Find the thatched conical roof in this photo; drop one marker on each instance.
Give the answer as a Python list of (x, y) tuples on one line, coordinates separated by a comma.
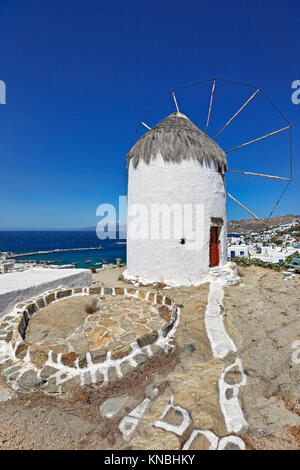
[(177, 139)]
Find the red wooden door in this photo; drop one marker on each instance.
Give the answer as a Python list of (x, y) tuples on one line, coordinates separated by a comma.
[(214, 247)]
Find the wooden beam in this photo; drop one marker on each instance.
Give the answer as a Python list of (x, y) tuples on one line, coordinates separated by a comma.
[(245, 208), (259, 174), (210, 104), (238, 112), (259, 138)]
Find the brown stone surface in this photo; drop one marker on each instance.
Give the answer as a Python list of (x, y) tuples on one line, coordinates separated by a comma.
[(69, 359), (63, 293), (122, 351), (22, 350), (50, 298), (38, 355)]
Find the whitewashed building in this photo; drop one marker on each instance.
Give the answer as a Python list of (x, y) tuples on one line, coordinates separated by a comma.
[(174, 166)]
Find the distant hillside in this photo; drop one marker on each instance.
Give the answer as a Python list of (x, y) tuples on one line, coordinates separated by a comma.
[(247, 225), (233, 226)]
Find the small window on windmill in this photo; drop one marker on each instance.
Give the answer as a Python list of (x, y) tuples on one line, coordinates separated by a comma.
[(182, 241)]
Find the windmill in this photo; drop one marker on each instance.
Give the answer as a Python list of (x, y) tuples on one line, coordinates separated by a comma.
[(177, 162)]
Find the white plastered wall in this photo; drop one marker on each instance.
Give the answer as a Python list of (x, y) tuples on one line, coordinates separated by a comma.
[(160, 182)]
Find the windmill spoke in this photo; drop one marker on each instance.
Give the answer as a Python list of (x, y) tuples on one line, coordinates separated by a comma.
[(259, 138), (210, 104), (146, 125), (175, 101), (259, 174), (238, 112), (245, 208)]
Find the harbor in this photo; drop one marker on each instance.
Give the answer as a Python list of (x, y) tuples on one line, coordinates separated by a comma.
[(47, 252)]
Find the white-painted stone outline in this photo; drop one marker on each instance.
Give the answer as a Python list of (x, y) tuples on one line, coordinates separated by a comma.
[(233, 414), (220, 341), (178, 429)]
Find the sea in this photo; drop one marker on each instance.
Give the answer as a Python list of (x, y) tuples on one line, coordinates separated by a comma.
[(33, 241)]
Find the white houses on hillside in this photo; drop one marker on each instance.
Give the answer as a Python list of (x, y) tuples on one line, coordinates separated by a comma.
[(175, 167)]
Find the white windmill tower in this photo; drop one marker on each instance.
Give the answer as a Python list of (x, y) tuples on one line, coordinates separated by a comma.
[(176, 225)]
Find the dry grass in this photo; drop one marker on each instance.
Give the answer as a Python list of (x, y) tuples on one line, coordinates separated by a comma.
[(93, 306)]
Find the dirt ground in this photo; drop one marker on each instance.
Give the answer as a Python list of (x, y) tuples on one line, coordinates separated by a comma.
[(262, 318)]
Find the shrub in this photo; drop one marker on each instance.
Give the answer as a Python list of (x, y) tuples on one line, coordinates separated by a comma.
[(242, 261), (93, 306)]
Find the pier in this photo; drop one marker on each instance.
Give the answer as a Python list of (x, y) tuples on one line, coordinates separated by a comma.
[(57, 250)]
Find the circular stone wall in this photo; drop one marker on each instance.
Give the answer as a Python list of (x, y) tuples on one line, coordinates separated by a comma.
[(53, 344)]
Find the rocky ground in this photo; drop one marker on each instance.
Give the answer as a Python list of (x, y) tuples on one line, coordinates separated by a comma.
[(261, 317)]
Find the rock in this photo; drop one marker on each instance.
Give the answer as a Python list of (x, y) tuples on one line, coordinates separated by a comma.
[(47, 371), (147, 339), (95, 290), (167, 328), (21, 350), (140, 359), (40, 302), (99, 355), (50, 386), (112, 406), (87, 378), (107, 291), (8, 337), (50, 298), (119, 290), (82, 362), (165, 313), (38, 355), (69, 359), (156, 349), (101, 343), (22, 326), (80, 343), (189, 347), (6, 394), (29, 380), (126, 368), (233, 376), (10, 371), (64, 293), (120, 352), (71, 383), (99, 377), (6, 364), (112, 374), (97, 334), (31, 309)]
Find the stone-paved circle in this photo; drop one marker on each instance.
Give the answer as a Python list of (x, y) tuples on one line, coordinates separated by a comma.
[(27, 367)]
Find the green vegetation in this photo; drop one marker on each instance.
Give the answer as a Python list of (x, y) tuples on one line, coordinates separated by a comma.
[(242, 261), (276, 241), (289, 258)]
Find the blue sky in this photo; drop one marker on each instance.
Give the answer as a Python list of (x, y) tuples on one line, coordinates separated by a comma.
[(81, 74)]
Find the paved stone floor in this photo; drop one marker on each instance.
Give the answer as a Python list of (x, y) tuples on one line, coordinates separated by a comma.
[(65, 326)]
